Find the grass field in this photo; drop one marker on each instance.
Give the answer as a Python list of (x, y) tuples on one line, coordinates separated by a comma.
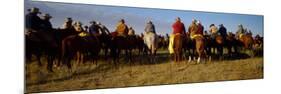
[(106, 75)]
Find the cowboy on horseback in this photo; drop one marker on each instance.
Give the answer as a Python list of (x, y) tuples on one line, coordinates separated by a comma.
[(150, 39), (35, 26), (94, 28), (121, 28), (178, 28), (131, 31), (46, 24), (241, 31), (195, 29), (213, 30), (149, 28), (104, 30), (222, 31), (32, 20), (78, 26), (67, 23)]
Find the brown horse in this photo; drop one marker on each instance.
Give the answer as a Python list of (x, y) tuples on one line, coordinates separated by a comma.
[(60, 34), (258, 46), (247, 41), (219, 44), (200, 46), (178, 45)]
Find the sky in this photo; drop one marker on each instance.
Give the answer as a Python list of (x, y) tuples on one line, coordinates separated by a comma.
[(138, 17)]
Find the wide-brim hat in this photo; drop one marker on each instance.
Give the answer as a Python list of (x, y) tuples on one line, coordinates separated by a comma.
[(68, 19), (99, 23), (78, 23), (92, 21), (122, 20), (35, 10), (212, 25), (47, 15)]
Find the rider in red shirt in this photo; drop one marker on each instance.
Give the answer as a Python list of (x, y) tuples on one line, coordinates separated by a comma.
[(178, 27)]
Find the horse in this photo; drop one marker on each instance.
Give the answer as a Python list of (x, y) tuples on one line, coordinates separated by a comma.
[(140, 45), (247, 42), (188, 47), (78, 46), (200, 46), (232, 42), (39, 43), (258, 46), (178, 45), (60, 34), (208, 44), (119, 44), (215, 42), (105, 40), (151, 42)]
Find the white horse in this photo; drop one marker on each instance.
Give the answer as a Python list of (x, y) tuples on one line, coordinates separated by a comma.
[(151, 41)]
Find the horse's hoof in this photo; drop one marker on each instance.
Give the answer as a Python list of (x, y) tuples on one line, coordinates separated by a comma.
[(198, 60)]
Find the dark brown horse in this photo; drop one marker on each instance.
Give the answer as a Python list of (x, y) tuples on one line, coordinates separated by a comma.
[(189, 47), (232, 43), (215, 42), (105, 40), (119, 44), (40, 43), (80, 47)]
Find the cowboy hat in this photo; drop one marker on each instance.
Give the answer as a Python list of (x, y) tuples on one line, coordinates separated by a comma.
[(78, 23), (68, 19), (35, 10), (194, 20), (178, 18), (47, 15), (212, 25), (93, 21), (99, 23), (122, 20)]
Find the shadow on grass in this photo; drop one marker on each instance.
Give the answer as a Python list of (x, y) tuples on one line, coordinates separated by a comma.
[(138, 60)]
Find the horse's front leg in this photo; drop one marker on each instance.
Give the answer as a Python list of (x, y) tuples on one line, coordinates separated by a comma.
[(50, 60)]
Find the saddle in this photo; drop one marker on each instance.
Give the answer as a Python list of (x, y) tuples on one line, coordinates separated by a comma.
[(83, 34)]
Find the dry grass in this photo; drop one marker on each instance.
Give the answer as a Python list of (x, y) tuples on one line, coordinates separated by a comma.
[(105, 75)]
